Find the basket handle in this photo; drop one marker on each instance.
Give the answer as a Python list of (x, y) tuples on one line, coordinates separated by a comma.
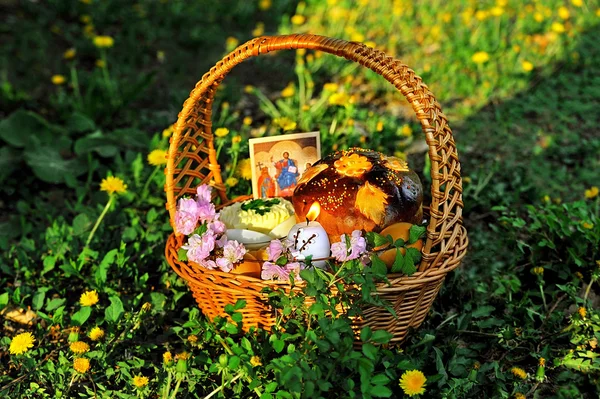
[(192, 154)]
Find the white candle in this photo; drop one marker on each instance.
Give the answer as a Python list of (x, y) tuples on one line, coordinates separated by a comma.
[(310, 239)]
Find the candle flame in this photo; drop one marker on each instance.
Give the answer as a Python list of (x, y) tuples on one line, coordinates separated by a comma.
[(314, 211)]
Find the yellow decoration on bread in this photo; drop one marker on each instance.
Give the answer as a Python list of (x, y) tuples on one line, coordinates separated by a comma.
[(371, 202)]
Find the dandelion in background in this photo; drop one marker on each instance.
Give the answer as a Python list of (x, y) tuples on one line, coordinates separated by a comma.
[(21, 343), (167, 358), (519, 372), (140, 381), (58, 80), (255, 361), (69, 54), (111, 185), (413, 382), (289, 91), (298, 20), (480, 57), (96, 334), (244, 169), (592, 192), (89, 298), (81, 365), (79, 347), (527, 66), (103, 41)]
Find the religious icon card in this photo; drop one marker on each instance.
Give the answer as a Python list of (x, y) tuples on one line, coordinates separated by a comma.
[(279, 161)]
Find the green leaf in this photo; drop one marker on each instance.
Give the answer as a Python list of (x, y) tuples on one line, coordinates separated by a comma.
[(370, 351), (366, 334), (9, 161), (281, 261), (409, 267), (377, 240), (380, 379), (381, 336), (49, 166), (398, 265), (114, 312), (3, 300), (23, 128), (239, 304), (97, 142), (182, 255), (415, 233), (81, 316), (81, 224), (54, 304), (101, 273), (38, 299), (378, 266), (380, 391), (79, 122), (483, 311), (278, 345)]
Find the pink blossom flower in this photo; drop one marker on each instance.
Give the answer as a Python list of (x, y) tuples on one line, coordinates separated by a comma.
[(217, 227), (358, 245), (233, 252), (203, 194), (271, 271), (199, 248), (208, 264), (294, 267), (274, 250), (206, 212), (186, 216), (222, 241)]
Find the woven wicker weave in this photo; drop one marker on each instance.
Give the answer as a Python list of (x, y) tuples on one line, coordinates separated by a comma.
[(192, 161)]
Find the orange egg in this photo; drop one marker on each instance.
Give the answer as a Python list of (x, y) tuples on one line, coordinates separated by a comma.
[(260, 254), (250, 267), (398, 230)]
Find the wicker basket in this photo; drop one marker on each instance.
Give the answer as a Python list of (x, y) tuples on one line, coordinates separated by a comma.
[(192, 161)]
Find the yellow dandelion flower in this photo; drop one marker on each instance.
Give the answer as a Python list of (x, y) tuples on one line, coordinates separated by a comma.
[(577, 3), (557, 27), (259, 30), (58, 79), (446, 17), (236, 139), (582, 312), (168, 131), (96, 334), (519, 372), (69, 54), (103, 41), (289, 91), (519, 395), (21, 343), (497, 11), (467, 179), (592, 192), (192, 339), (579, 275), (113, 185), (480, 57), (231, 43), (244, 169), (85, 19), (81, 365), (476, 365), (88, 30), (413, 382), (406, 131), (160, 56), (542, 362), (231, 182), (516, 48), (538, 271), (140, 381), (182, 356), (331, 87), (89, 298), (563, 12), (298, 19), (157, 157), (527, 66), (264, 4), (379, 126), (587, 225), (285, 123), (249, 89), (340, 99), (598, 12), (167, 357), (481, 15), (538, 16), (221, 132), (79, 347), (247, 121), (86, 1), (100, 63), (255, 361)]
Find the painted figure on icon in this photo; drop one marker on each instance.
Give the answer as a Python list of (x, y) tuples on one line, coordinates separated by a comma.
[(266, 183), (287, 174)]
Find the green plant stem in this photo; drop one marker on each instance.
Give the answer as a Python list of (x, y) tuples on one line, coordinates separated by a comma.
[(333, 280), (104, 211), (75, 84), (167, 386), (587, 290), (220, 146), (234, 164), (217, 390), (145, 189), (274, 112), (176, 389), (543, 297)]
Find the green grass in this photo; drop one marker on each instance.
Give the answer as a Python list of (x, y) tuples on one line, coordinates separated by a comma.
[(528, 141)]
